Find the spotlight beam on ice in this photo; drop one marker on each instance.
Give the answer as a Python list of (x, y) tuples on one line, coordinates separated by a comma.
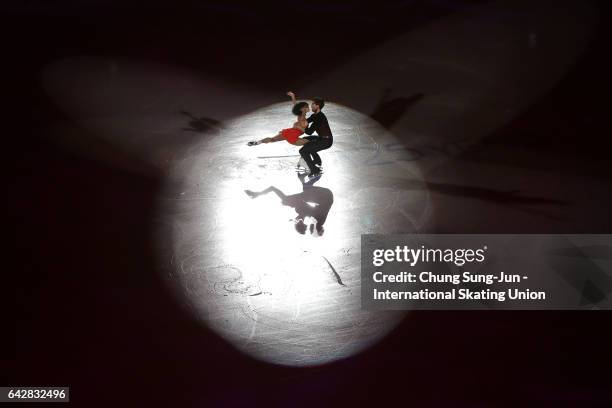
[(236, 262)]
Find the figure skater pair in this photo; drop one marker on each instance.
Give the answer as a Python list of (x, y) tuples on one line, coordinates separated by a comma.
[(311, 144)]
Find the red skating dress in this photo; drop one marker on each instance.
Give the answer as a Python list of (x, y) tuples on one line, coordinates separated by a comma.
[(291, 135)]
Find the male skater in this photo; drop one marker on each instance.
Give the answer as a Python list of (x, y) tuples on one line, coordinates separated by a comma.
[(323, 140)]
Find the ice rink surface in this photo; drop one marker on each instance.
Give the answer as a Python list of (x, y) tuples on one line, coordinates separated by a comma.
[(403, 114), (279, 294)]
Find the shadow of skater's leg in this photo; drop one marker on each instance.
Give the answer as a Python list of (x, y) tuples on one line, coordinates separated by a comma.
[(274, 190), (270, 189)]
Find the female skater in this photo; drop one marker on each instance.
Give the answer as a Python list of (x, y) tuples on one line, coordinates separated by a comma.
[(291, 135)]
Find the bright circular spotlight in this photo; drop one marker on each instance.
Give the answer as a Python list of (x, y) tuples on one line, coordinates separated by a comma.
[(280, 283)]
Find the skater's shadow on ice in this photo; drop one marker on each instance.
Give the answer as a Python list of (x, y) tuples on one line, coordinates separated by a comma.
[(312, 205), (507, 198), (390, 110), (200, 125)]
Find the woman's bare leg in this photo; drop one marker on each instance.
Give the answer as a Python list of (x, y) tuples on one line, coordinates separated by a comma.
[(276, 138)]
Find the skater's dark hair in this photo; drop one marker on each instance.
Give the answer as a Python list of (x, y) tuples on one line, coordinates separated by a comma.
[(319, 101), (297, 108)]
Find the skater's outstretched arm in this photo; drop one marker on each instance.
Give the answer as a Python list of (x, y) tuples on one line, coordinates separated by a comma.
[(292, 96)]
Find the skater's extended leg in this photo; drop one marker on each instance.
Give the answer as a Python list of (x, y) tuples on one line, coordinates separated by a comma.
[(276, 138)]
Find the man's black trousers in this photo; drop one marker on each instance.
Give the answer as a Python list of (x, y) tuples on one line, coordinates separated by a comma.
[(310, 149)]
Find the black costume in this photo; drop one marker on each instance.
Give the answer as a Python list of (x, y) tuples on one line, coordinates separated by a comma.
[(323, 140)]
